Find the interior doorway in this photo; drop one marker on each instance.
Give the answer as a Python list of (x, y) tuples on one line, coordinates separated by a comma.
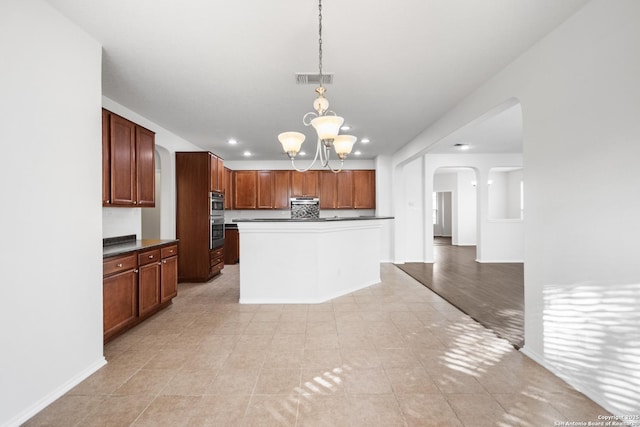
[(442, 215)]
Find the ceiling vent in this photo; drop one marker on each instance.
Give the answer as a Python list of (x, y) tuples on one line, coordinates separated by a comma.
[(313, 79)]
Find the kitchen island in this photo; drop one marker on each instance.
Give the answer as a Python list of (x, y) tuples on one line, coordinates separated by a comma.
[(303, 261)]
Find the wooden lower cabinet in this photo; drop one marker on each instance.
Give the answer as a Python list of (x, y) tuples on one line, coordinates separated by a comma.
[(169, 274), (148, 288), (137, 285), (120, 302), (216, 260), (231, 246)]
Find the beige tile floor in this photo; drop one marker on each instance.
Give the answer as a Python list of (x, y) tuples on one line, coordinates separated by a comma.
[(393, 354)]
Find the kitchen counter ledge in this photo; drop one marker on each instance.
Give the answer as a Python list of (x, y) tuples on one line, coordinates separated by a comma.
[(133, 245), (326, 219)]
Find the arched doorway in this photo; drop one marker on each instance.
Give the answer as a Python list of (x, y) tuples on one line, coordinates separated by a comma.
[(151, 216)]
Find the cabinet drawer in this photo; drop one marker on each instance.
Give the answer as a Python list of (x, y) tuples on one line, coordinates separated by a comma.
[(118, 264), (149, 257), (168, 251), (216, 253), (218, 260), (215, 269)]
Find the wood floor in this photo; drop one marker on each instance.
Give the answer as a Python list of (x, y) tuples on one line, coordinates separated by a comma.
[(492, 294)]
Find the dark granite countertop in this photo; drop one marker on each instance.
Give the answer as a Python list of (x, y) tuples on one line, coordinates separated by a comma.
[(327, 219), (125, 245)]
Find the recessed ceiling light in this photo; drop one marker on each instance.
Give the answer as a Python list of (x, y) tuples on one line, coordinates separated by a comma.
[(357, 153), (246, 153), (462, 146), (345, 127), (302, 153), (232, 141), (365, 140)]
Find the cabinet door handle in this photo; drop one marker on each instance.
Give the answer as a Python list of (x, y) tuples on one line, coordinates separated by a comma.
[(119, 265), (135, 203), (164, 261), (150, 256), (135, 271)]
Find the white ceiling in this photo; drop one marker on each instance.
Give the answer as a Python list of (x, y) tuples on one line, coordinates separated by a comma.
[(210, 70), (499, 132)]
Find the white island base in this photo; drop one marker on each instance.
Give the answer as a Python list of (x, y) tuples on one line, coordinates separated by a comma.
[(306, 262)]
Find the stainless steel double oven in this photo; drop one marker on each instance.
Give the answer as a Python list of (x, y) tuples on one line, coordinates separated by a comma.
[(216, 229)]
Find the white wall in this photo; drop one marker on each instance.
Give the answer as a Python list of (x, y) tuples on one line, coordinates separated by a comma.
[(580, 98), (465, 210), (50, 181), (504, 193), (383, 205), (498, 203), (415, 214), (515, 180)]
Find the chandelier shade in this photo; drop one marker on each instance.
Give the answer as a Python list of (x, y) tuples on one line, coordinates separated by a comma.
[(291, 142), (327, 127), (343, 145)]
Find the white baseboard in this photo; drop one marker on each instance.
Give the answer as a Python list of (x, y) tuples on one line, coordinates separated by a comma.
[(405, 261), (55, 394), (316, 300), (500, 261)]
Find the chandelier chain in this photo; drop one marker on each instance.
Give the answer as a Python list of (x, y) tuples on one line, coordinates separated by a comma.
[(320, 40)]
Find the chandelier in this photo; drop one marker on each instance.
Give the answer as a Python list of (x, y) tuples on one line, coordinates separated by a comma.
[(326, 123)]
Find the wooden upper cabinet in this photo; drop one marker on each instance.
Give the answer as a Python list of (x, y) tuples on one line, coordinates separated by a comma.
[(245, 189), (328, 184), (364, 189), (220, 169), (123, 161), (344, 190), (304, 184), (128, 163), (216, 169), (228, 188), (106, 160), (281, 189), (265, 190), (213, 172), (272, 189), (145, 167)]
